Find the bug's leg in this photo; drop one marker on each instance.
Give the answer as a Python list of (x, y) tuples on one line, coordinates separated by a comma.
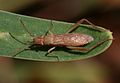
[(49, 30), (25, 28), (83, 49), (75, 26), (49, 51), (52, 48), (57, 57), (18, 40)]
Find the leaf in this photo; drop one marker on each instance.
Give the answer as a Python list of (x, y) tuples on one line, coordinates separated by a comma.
[(10, 22)]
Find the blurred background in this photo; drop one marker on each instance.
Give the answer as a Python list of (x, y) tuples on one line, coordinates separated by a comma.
[(104, 68)]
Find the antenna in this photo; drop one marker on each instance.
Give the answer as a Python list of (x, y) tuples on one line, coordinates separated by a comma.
[(26, 28), (18, 40)]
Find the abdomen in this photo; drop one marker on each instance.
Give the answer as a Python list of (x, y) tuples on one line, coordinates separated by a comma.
[(72, 39)]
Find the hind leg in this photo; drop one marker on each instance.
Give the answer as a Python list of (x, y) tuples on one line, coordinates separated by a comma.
[(83, 49), (75, 26)]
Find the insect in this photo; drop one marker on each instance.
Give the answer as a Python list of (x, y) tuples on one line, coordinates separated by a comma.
[(73, 41)]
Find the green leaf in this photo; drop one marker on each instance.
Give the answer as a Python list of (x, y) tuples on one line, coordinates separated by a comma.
[(10, 22)]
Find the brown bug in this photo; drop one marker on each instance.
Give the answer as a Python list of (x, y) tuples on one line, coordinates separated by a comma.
[(73, 41)]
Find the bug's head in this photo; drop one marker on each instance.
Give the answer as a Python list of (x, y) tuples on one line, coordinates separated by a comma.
[(38, 40)]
